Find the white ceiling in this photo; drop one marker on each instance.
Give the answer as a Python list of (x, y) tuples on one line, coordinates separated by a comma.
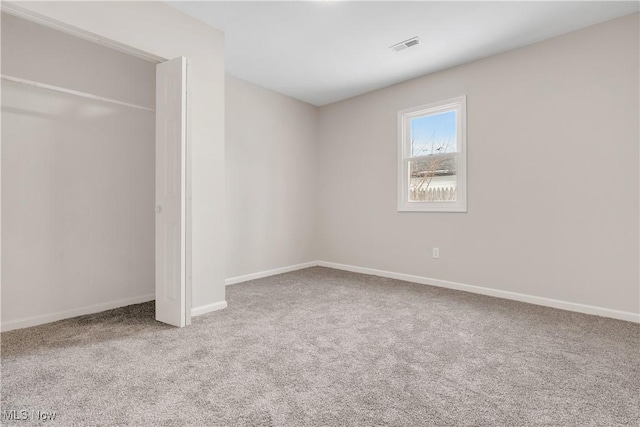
[(325, 51)]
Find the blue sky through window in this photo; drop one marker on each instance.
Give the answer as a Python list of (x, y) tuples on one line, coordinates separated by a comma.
[(432, 134)]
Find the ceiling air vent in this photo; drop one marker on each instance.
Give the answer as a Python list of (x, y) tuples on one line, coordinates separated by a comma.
[(405, 44)]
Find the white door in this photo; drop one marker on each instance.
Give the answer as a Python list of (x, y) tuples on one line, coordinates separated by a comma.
[(171, 173)]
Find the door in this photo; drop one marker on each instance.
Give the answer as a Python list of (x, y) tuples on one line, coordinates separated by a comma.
[(171, 174)]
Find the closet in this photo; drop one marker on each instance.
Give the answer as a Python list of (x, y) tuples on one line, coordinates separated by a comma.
[(78, 175)]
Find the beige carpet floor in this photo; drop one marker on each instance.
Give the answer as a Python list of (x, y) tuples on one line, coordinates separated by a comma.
[(321, 347)]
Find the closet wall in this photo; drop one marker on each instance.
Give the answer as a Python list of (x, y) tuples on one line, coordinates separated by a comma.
[(77, 177)]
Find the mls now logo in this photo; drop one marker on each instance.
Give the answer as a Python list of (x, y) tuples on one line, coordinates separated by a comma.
[(24, 415)]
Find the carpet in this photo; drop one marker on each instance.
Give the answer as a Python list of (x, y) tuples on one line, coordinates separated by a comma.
[(321, 347)]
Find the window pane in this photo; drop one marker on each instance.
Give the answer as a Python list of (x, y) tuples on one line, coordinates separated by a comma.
[(433, 134), (433, 179)]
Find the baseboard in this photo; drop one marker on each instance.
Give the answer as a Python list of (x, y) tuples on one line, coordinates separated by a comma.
[(267, 273), (204, 309), (61, 315), (197, 311), (547, 302)]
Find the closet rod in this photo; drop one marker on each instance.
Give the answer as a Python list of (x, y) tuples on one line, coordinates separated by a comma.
[(73, 92)]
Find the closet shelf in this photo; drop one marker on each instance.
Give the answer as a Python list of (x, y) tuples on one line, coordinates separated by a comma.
[(72, 92)]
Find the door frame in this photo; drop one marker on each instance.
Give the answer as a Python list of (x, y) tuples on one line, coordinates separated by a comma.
[(13, 9)]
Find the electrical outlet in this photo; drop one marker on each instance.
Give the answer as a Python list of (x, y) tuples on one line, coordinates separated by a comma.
[(436, 252)]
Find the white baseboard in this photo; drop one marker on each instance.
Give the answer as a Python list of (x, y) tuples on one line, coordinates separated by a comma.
[(61, 315), (204, 309), (267, 273), (547, 302), (197, 311)]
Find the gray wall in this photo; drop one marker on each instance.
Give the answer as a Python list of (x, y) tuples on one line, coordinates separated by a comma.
[(271, 166), (552, 174), (545, 217), (77, 175)]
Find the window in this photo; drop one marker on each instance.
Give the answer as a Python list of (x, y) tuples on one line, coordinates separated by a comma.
[(432, 157)]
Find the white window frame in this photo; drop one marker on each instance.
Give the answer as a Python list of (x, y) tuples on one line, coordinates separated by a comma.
[(458, 104)]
